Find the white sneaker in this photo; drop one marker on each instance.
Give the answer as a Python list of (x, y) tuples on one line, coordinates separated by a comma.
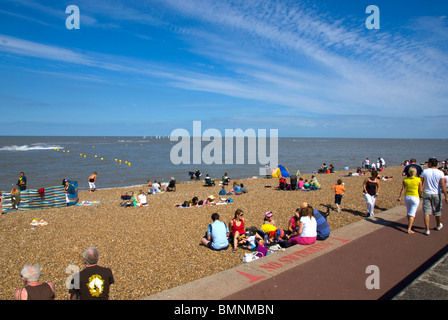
[(426, 232), (439, 227)]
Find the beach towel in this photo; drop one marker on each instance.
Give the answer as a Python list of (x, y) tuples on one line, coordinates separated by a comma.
[(88, 203)]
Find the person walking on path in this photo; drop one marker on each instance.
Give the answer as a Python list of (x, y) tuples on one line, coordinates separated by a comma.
[(433, 184), (371, 189), (413, 191)]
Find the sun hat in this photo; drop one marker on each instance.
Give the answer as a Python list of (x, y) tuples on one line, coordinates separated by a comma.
[(268, 214)]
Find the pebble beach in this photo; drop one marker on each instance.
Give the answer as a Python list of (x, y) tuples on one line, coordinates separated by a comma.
[(156, 247)]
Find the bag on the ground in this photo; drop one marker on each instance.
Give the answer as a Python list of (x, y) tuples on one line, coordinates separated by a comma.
[(248, 257)]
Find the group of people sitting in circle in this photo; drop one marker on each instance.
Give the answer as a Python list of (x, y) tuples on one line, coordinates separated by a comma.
[(305, 227)]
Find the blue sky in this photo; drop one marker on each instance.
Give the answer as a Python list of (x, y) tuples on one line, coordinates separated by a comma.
[(306, 68)]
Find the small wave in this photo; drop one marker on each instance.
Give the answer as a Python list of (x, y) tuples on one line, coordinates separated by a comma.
[(30, 147)]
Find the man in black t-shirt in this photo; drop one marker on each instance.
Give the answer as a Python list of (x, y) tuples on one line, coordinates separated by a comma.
[(94, 281)]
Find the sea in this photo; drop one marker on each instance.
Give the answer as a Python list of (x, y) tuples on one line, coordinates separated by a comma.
[(132, 161)]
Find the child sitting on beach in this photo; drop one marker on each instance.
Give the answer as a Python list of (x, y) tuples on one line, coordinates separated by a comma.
[(339, 190), (250, 243), (223, 191), (306, 185), (300, 183)]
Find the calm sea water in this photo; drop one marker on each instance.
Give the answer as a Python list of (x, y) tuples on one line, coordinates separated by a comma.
[(46, 161)]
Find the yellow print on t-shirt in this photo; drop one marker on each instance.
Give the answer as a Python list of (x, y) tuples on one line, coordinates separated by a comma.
[(95, 285)]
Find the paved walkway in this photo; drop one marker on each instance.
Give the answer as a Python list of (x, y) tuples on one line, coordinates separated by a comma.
[(371, 259)]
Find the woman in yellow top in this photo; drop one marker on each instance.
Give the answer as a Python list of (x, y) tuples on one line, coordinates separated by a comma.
[(413, 187)]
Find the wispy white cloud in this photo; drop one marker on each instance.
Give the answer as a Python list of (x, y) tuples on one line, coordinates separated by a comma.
[(285, 54)]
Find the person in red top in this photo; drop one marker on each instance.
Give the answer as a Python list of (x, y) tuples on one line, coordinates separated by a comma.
[(34, 290), (237, 230), (339, 190)]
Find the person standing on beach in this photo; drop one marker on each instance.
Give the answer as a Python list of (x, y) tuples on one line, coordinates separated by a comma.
[(92, 180), (433, 183), (15, 198), (371, 189), (21, 183), (339, 190), (413, 191)]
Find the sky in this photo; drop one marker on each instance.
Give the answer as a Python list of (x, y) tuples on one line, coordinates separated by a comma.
[(145, 68)]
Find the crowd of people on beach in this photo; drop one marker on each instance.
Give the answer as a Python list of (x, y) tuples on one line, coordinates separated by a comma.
[(425, 184), (306, 225)]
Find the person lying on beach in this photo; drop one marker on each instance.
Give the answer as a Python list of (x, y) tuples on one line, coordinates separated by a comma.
[(209, 201), (188, 204)]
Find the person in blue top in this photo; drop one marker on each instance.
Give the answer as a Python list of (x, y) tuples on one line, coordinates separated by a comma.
[(217, 235), (323, 229), (236, 188)]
